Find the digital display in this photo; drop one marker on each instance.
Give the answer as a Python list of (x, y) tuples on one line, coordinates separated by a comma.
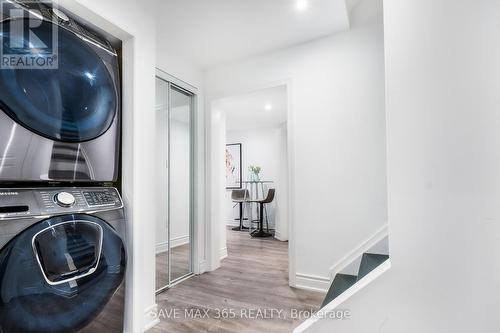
[(13, 209)]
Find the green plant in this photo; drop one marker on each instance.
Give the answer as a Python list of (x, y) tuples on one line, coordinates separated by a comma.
[(254, 169)]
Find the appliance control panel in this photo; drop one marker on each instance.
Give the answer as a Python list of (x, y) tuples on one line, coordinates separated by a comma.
[(16, 203), (100, 198)]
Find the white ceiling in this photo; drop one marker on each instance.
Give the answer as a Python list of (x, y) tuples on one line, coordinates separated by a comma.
[(248, 111), (212, 32)]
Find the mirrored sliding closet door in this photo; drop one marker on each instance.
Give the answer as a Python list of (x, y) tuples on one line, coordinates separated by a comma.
[(174, 128)]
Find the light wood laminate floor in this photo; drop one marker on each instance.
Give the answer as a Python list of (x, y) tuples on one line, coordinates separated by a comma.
[(253, 277)]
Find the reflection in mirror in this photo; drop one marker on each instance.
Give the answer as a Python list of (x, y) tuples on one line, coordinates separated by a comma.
[(162, 276), (173, 227), (180, 183)]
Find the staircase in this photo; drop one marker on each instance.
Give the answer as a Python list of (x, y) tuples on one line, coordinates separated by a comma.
[(357, 264), (342, 282), (356, 270)]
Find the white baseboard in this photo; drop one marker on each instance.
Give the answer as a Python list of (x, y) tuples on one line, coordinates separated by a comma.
[(312, 282), (203, 267), (161, 247), (150, 319), (278, 236), (223, 253), (177, 241), (349, 264)]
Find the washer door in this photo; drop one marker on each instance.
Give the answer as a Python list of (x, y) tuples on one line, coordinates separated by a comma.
[(59, 274), (76, 102)]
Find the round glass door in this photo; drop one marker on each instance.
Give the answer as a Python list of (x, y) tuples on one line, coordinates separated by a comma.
[(75, 102), (59, 274)]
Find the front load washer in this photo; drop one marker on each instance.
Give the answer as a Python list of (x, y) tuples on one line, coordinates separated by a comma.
[(57, 124), (62, 260)]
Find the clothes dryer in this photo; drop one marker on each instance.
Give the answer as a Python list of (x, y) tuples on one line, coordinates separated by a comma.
[(59, 123)]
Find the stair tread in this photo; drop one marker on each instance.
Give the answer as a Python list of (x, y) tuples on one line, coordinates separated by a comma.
[(340, 283), (369, 262)]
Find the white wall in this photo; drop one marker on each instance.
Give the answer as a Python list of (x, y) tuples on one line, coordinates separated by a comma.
[(337, 131), (283, 197), (266, 148), (443, 75), (167, 60), (217, 185)]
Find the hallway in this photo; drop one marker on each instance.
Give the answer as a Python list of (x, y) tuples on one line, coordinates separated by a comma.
[(253, 277)]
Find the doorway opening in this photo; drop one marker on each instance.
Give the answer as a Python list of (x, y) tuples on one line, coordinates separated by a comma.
[(174, 227), (249, 243), (249, 143), (256, 163)]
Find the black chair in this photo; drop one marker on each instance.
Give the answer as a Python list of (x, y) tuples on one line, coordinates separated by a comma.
[(240, 197), (268, 199)]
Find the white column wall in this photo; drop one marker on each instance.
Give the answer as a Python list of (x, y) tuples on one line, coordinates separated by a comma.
[(443, 75)]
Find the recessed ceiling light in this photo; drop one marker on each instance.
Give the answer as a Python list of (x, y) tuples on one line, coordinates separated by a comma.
[(268, 107), (301, 5)]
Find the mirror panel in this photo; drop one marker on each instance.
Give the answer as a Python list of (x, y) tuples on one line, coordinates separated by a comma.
[(162, 271), (180, 183), (174, 145)]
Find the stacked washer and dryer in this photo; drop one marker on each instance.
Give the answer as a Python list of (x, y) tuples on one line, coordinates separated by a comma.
[(62, 232)]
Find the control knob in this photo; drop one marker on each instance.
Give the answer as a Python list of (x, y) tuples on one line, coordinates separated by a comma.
[(65, 199)]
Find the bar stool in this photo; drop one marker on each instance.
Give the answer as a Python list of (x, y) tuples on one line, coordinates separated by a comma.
[(239, 197), (268, 199)]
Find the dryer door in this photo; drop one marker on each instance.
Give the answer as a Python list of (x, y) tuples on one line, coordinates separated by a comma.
[(58, 275), (75, 102)]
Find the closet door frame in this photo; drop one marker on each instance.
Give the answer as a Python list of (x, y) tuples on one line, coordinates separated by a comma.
[(192, 92)]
